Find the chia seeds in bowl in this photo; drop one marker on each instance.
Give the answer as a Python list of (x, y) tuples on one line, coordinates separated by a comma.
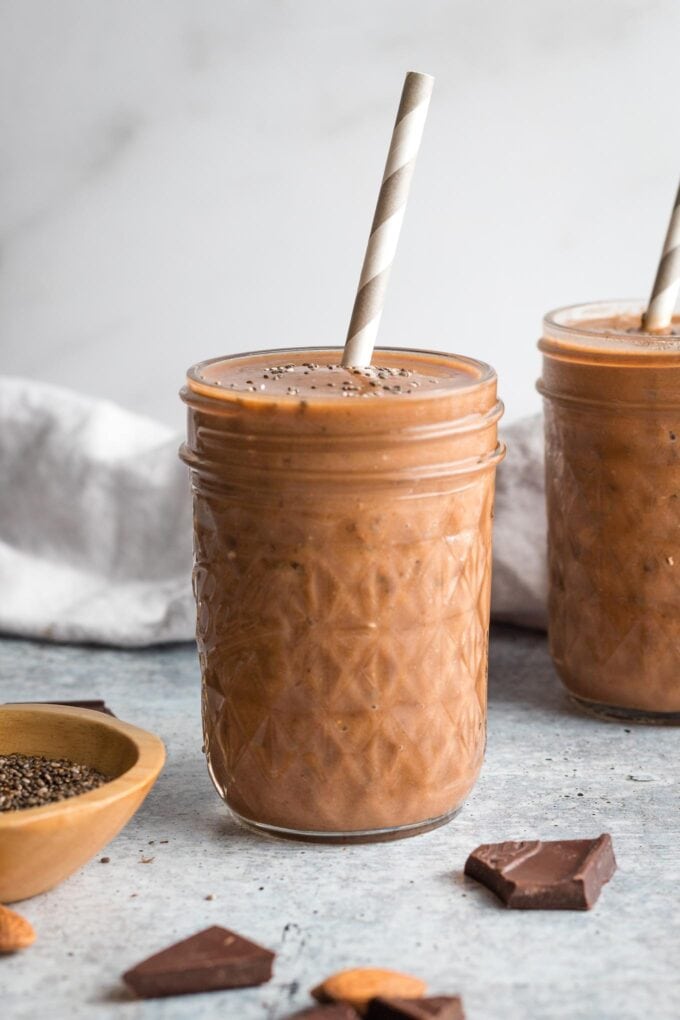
[(28, 780)]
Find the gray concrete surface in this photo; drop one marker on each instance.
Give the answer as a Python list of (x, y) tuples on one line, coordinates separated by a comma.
[(550, 771)]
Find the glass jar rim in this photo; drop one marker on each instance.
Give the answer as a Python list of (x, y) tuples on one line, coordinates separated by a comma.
[(480, 374), (570, 323)]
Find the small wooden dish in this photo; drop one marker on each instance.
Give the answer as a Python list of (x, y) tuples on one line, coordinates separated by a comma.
[(40, 846)]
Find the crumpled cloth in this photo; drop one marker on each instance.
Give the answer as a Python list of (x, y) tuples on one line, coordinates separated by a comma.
[(519, 591), (95, 523)]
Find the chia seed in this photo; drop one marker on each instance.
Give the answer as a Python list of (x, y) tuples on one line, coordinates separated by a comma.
[(382, 379), (28, 780)]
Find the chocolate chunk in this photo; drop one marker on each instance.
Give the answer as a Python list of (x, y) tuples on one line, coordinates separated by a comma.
[(210, 960), (338, 1011), (95, 704), (436, 1007), (562, 874)]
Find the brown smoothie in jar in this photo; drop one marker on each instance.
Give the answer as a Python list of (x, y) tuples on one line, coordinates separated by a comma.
[(342, 575), (612, 419)]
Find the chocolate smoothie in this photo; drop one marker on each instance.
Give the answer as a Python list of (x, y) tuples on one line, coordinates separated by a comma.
[(612, 425), (342, 573)]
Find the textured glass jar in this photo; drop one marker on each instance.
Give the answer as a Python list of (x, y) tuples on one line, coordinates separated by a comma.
[(612, 434), (342, 576)]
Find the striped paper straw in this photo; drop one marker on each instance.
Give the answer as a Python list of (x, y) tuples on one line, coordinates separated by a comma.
[(389, 214), (659, 314)]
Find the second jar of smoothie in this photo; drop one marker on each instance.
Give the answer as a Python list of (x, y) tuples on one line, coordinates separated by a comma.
[(342, 575), (612, 432)]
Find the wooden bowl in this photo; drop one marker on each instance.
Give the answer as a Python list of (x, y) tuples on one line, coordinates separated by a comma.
[(40, 846)]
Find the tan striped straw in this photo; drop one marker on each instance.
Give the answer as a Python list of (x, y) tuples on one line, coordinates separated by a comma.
[(659, 314), (389, 214)]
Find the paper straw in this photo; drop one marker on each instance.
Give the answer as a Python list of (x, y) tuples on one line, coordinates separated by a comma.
[(389, 214), (659, 314)]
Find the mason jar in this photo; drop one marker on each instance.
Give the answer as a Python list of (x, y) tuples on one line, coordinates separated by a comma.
[(612, 457), (342, 577)]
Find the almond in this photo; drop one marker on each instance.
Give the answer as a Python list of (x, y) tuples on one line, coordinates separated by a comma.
[(15, 931), (361, 984)]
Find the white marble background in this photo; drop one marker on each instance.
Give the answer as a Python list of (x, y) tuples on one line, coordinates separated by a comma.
[(185, 178)]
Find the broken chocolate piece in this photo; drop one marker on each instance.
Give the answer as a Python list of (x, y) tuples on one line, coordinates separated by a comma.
[(210, 960), (95, 704), (436, 1007), (337, 1011), (562, 874)]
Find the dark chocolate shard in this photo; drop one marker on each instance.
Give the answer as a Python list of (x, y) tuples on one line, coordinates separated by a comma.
[(435, 1007), (336, 1011), (213, 959), (561, 874), (95, 704)]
